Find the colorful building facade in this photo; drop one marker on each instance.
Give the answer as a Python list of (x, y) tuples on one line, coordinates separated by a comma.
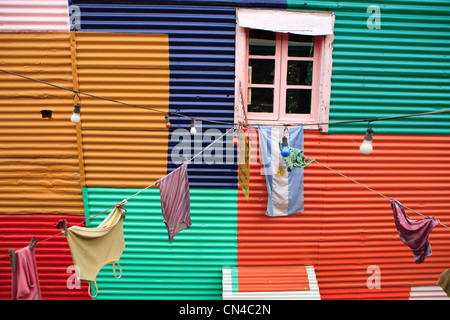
[(388, 59)]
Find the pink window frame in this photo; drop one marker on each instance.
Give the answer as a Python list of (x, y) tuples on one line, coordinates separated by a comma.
[(321, 86)]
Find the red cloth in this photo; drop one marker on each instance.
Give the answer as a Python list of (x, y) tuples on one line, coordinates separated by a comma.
[(414, 233), (25, 280)]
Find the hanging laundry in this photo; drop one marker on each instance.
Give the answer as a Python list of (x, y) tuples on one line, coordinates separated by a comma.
[(25, 280), (444, 281), (175, 200), (295, 159), (284, 187), (414, 233), (93, 248)]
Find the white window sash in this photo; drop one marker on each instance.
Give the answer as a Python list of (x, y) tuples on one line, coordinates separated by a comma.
[(304, 23)]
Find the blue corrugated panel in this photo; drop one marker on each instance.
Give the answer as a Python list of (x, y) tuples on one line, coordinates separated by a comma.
[(201, 52), (232, 3)]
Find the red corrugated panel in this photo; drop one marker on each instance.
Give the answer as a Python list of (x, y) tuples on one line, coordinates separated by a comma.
[(52, 256), (346, 228)]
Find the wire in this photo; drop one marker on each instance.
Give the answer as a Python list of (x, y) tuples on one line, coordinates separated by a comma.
[(370, 189), (226, 122), (137, 193)]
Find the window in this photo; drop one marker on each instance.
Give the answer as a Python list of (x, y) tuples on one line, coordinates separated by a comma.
[(282, 77)]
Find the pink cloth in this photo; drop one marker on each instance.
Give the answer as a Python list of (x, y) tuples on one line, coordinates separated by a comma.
[(25, 280), (175, 200), (414, 233)]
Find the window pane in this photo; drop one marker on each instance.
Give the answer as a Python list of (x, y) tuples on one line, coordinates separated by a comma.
[(261, 42), (300, 46), (260, 100), (261, 71), (300, 73), (298, 101)]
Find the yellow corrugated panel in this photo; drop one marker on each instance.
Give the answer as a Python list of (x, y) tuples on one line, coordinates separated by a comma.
[(38, 160), (123, 146)]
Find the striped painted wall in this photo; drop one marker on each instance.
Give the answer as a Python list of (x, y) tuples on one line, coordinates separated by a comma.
[(39, 159), (345, 228), (39, 176), (34, 16), (178, 56), (400, 68), (188, 268), (201, 60), (123, 146), (53, 259), (189, 69)]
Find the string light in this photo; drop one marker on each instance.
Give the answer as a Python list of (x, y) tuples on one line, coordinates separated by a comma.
[(235, 137), (193, 130), (369, 134), (75, 118), (168, 124), (366, 145)]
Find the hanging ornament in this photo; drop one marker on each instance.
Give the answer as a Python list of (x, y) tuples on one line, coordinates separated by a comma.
[(168, 124), (193, 130), (366, 145)]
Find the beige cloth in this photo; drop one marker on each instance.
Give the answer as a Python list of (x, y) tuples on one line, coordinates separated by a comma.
[(444, 281), (93, 248)]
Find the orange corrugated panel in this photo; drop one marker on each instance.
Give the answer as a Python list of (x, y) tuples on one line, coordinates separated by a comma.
[(123, 146), (347, 231), (264, 279), (38, 163)]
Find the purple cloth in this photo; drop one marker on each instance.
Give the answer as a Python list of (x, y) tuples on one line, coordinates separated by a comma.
[(25, 281), (414, 233), (175, 200)]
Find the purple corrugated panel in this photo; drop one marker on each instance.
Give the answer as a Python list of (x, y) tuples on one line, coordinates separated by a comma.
[(34, 16)]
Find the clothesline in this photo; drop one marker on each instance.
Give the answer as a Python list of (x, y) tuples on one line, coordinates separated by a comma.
[(123, 202), (370, 189)]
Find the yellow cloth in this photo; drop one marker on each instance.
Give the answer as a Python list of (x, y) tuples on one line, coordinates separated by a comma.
[(444, 281), (93, 248)]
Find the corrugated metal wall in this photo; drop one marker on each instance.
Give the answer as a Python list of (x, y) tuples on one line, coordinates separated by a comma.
[(201, 54), (34, 16), (346, 228), (400, 68), (53, 258), (126, 149), (190, 267), (40, 179), (123, 145), (39, 162)]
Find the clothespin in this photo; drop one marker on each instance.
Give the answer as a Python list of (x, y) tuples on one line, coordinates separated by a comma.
[(12, 257), (62, 224), (121, 208), (32, 243)]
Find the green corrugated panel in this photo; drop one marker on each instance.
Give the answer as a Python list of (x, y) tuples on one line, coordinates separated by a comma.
[(188, 268), (402, 68)]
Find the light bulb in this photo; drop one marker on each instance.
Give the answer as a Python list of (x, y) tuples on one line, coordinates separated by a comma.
[(235, 138), (366, 145), (285, 148), (75, 118), (193, 130), (168, 124)]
